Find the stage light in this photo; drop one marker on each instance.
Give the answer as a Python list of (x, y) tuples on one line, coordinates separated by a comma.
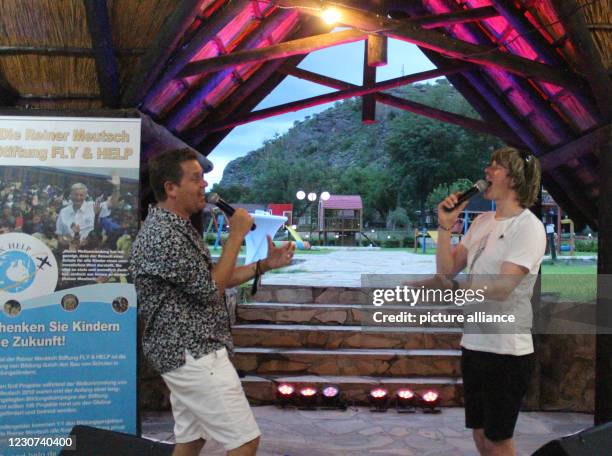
[(378, 399), (331, 15), (285, 395), (405, 401), (331, 398), (430, 402), (308, 397)]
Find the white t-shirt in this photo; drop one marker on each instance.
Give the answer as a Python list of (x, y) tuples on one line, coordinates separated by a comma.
[(490, 243), (84, 217)]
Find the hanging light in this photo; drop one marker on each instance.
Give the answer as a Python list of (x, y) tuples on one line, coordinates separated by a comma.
[(331, 15)]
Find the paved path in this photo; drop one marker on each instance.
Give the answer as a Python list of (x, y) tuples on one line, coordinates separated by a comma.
[(343, 268), (357, 431)]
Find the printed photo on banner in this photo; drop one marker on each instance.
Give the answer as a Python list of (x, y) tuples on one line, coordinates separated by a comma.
[(87, 217)]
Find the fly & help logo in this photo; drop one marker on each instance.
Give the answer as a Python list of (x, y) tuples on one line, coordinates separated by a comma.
[(27, 267)]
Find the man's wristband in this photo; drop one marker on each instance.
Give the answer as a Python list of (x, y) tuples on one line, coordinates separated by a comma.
[(442, 227)]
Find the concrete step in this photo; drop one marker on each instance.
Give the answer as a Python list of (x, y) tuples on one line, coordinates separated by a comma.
[(348, 362), (334, 337), (350, 314), (355, 390)]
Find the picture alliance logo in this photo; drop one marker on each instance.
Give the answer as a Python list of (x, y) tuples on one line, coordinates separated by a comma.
[(28, 268)]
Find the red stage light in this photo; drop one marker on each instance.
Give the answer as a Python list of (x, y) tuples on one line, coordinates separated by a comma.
[(378, 393), (430, 401), (308, 391), (430, 396), (405, 394), (330, 391), (285, 389)]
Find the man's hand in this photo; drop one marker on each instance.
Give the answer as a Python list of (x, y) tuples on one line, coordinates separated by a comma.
[(240, 223), (448, 219), (279, 256)]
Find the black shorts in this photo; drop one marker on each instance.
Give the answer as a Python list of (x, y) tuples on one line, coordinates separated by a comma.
[(494, 386)]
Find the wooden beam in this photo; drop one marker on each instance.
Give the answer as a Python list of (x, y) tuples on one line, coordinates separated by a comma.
[(430, 39), (407, 105), (376, 54), (354, 91), (368, 102), (107, 70), (205, 33), (576, 148), (474, 97), (251, 92), (151, 64), (458, 17), (276, 51), (59, 96), (534, 98), (545, 50), (64, 51), (576, 196), (588, 57), (198, 92)]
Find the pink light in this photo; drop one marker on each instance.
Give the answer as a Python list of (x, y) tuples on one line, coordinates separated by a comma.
[(308, 391), (378, 393), (405, 394), (285, 389), (430, 396), (330, 391)]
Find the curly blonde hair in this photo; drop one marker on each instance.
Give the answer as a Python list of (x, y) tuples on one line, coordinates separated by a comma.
[(525, 171)]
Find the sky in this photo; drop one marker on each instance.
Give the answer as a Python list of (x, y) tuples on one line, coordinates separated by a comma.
[(344, 62)]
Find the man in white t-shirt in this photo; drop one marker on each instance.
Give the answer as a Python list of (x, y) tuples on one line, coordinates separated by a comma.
[(77, 219), (503, 251)]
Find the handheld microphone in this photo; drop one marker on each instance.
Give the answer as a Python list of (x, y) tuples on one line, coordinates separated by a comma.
[(214, 198), (480, 186)]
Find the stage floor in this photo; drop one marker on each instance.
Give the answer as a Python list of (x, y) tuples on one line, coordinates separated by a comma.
[(357, 431)]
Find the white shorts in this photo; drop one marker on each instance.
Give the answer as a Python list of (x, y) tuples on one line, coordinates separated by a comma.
[(208, 402)]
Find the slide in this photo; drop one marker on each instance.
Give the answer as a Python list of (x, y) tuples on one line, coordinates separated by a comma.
[(299, 242)]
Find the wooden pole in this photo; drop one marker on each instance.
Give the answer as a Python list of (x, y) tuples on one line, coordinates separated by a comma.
[(588, 57), (603, 357), (368, 102), (107, 70)]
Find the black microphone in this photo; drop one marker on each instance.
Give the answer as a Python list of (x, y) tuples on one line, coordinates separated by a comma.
[(480, 186), (214, 198)]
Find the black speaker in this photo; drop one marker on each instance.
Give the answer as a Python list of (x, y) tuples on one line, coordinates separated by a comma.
[(595, 441), (89, 441)]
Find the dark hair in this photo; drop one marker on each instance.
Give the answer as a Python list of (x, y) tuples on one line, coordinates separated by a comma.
[(524, 170), (166, 167)]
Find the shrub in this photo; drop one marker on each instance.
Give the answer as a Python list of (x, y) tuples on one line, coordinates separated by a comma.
[(586, 246)]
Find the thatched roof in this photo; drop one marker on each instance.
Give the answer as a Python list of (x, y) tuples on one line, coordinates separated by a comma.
[(537, 72)]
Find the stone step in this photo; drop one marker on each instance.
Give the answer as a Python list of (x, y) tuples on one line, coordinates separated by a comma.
[(355, 390), (305, 294), (350, 314), (334, 337), (343, 362)]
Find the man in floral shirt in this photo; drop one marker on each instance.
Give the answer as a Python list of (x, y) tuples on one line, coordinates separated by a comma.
[(186, 324)]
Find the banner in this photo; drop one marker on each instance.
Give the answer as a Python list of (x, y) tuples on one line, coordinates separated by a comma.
[(68, 216)]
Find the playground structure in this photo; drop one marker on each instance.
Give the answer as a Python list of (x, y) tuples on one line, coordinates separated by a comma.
[(342, 216)]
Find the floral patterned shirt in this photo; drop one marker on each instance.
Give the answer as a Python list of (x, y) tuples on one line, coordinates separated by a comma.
[(178, 301)]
